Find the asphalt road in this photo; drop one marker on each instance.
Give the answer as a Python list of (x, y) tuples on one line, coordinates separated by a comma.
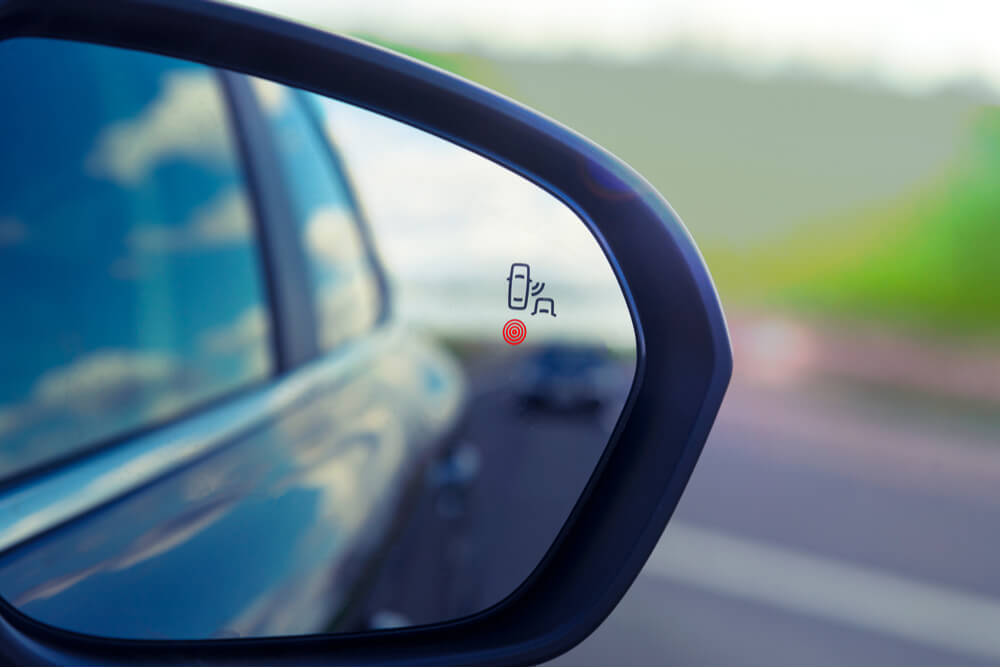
[(823, 526)]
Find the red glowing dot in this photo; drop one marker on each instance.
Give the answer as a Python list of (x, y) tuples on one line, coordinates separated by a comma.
[(514, 332)]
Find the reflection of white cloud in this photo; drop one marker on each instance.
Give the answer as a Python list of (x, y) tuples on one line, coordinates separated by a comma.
[(167, 404), (147, 546), (86, 379), (249, 329), (246, 336), (271, 96), (331, 236), (98, 393), (347, 299), (363, 464), (346, 308), (161, 539), (186, 120), (371, 454), (224, 220), (12, 231)]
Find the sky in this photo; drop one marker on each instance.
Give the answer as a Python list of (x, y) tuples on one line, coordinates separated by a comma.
[(449, 224), (913, 46)]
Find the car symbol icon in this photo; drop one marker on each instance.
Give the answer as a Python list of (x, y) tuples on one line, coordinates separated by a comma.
[(518, 282)]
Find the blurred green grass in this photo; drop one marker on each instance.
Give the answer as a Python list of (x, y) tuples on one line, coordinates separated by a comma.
[(833, 199), (928, 259)]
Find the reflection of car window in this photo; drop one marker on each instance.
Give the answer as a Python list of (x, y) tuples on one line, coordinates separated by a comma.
[(347, 295), (131, 284)]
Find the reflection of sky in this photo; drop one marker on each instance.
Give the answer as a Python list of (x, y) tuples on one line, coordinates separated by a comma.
[(346, 289), (450, 223), (125, 240)]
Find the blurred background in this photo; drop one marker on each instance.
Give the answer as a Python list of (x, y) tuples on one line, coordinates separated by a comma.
[(838, 167)]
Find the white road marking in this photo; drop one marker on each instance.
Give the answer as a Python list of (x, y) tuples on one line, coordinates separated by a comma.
[(803, 583)]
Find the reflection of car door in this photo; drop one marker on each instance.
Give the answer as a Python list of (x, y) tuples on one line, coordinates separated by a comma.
[(193, 429)]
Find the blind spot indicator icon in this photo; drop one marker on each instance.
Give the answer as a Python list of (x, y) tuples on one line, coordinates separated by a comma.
[(520, 290), (514, 332), (518, 283), (545, 305)]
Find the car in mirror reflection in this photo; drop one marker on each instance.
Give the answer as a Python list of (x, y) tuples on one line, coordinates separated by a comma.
[(568, 377)]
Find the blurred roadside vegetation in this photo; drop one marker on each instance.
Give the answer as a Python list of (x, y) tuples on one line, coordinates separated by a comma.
[(929, 258), (831, 199)]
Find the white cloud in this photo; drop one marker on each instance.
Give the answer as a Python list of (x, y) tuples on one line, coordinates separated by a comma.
[(331, 236), (249, 329), (272, 96), (224, 220), (346, 308), (148, 545), (94, 383), (88, 380), (12, 231), (246, 336), (186, 120), (348, 299), (98, 393)]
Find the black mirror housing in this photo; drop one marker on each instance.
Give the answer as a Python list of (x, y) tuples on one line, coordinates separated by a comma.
[(684, 361)]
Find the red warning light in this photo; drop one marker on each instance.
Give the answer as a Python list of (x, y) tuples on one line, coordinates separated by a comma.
[(514, 332)]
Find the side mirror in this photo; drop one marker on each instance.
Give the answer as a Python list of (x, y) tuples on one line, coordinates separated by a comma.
[(326, 355)]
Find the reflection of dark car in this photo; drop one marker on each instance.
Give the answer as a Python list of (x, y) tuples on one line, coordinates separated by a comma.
[(204, 388), (565, 377)]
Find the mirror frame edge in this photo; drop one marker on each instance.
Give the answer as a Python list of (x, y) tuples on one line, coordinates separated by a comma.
[(679, 385)]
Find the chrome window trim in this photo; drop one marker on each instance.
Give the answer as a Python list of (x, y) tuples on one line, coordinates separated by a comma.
[(44, 502)]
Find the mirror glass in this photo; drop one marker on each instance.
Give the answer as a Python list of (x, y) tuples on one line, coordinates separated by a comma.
[(273, 364)]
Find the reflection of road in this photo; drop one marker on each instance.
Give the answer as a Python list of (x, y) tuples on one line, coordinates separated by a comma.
[(468, 546), (822, 528)]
